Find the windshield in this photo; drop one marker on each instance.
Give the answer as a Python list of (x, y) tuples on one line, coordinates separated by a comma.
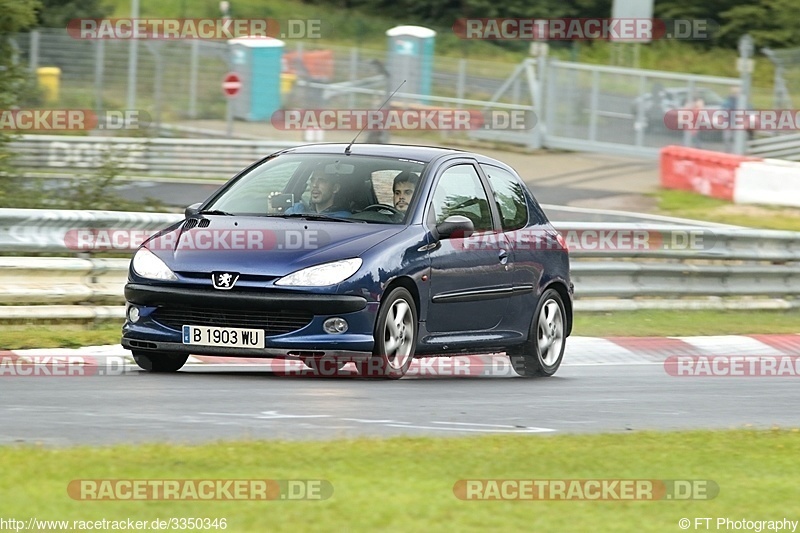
[(357, 188)]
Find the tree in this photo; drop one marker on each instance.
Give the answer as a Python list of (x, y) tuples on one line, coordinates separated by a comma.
[(58, 13), (771, 23), (15, 16)]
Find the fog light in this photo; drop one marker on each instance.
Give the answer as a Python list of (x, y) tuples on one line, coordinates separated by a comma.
[(335, 325), (133, 314)]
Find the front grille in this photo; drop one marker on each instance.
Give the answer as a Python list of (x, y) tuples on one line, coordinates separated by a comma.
[(272, 322)]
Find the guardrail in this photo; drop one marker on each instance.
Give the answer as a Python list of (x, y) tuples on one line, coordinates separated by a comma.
[(777, 146), (614, 265), (197, 158)]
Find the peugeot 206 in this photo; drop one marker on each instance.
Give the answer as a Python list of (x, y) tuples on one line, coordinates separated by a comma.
[(370, 254)]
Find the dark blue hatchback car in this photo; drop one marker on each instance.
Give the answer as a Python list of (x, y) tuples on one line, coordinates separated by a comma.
[(372, 254)]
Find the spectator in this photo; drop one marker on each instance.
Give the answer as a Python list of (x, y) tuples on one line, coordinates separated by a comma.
[(730, 104), (694, 133)]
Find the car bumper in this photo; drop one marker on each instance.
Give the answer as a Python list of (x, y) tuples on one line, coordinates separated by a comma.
[(308, 340), (153, 296)]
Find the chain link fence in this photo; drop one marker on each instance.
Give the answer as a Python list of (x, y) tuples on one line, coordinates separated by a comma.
[(577, 106)]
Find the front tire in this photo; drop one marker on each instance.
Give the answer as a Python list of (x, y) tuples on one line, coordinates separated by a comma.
[(395, 337), (542, 353), (160, 362)]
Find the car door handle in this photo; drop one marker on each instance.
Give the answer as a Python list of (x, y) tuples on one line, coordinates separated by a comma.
[(503, 256)]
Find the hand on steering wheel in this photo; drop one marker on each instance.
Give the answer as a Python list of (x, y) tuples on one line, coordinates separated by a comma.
[(379, 207)]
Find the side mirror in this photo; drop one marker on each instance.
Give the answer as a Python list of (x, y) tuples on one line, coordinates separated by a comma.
[(455, 226), (192, 210)]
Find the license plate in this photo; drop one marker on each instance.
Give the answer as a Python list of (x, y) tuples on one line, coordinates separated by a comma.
[(230, 337)]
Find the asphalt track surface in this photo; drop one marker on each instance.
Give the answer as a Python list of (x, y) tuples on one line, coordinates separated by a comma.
[(213, 402)]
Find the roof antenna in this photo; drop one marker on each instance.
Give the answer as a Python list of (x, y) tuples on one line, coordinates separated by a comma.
[(347, 149)]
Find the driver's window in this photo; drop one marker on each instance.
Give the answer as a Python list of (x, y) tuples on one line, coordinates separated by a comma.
[(460, 192)]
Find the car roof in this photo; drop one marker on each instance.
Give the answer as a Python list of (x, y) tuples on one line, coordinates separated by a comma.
[(422, 154), (425, 154)]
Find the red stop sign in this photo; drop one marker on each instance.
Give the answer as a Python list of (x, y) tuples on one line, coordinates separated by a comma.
[(231, 84)]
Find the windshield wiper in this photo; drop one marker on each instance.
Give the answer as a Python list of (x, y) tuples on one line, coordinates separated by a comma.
[(215, 212), (319, 216)]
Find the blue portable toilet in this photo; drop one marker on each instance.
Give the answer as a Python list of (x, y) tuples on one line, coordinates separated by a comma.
[(257, 60), (410, 58)]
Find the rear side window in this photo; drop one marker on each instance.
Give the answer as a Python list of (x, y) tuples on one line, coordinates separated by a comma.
[(509, 196)]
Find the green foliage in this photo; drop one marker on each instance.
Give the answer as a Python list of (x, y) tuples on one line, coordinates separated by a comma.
[(58, 13), (15, 15), (771, 23), (92, 191), (98, 191)]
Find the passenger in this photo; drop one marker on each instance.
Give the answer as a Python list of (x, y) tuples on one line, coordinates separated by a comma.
[(404, 186)]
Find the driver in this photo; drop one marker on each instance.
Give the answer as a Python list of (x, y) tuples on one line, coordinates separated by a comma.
[(324, 189), (403, 186)]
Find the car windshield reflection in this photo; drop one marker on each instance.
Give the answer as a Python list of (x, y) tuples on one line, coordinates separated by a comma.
[(376, 190)]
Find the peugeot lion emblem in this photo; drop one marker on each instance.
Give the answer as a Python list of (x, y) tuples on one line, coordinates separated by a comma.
[(224, 280)]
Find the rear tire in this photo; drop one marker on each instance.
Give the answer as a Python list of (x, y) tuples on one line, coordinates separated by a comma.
[(160, 362), (542, 353), (395, 337)]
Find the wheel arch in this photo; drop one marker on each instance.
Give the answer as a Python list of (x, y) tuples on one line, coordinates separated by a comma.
[(408, 284)]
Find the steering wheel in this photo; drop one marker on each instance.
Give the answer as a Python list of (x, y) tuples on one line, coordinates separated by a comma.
[(379, 207)]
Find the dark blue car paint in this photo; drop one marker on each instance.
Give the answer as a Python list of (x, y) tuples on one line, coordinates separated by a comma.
[(484, 306)]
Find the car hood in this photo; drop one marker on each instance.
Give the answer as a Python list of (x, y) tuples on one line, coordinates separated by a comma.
[(262, 246)]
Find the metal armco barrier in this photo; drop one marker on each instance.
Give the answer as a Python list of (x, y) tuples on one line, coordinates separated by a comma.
[(194, 158), (614, 265), (48, 230)]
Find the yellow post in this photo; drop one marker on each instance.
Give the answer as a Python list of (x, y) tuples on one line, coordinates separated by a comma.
[(287, 82), (49, 82)]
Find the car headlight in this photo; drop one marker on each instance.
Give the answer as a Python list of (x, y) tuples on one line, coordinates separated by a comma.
[(148, 265), (322, 275)]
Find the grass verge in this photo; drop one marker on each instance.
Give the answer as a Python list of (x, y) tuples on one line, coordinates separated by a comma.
[(687, 204), (59, 335), (663, 323), (406, 484)]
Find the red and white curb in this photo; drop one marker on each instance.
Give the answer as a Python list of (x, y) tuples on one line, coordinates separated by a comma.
[(739, 179), (579, 351)]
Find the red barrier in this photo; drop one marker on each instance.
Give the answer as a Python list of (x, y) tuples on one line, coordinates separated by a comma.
[(703, 171)]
